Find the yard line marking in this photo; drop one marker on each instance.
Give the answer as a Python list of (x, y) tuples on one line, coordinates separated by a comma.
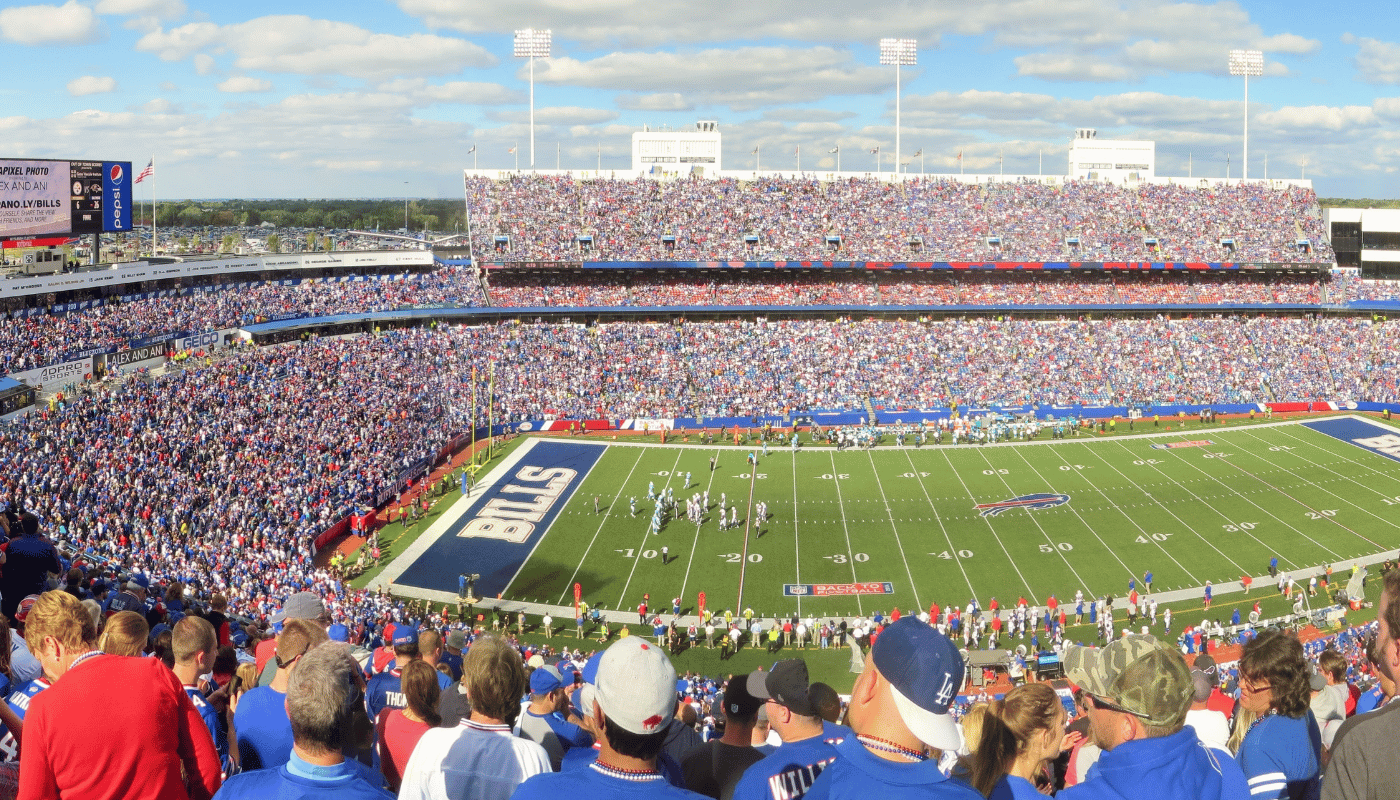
[(643, 546), (1201, 501), (696, 545), (1332, 520), (748, 523), (1141, 530), (989, 525), (1350, 448), (1075, 511), (952, 550), (1036, 520), (796, 536), (850, 553), (917, 602), (1181, 458), (620, 489)]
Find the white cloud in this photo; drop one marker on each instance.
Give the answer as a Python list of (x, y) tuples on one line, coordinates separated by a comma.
[(243, 84), (301, 45), (204, 64), (70, 23), (455, 92), (89, 84), (560, 115), (659, 101), (742, 78), (1138, 37), (141, 8), (1378, 61)]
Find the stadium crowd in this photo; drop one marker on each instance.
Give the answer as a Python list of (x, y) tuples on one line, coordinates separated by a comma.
[(400, 702), (524, 288), (27, 342), (551, 218)]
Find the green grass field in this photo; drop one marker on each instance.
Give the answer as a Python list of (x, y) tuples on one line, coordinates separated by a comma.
[(907, 517)]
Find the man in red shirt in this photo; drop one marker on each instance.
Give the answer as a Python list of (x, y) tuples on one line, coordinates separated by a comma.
[(160, 733)]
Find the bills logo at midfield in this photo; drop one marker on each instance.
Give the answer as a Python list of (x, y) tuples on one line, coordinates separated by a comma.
[(1026, 501)]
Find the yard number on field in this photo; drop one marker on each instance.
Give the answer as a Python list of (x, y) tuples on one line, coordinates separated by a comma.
[(630, 553), (737, 558), (949, 557), (1330, 512), (747, 475), (839, 476), (840, 558), (1156, 537), (1240, 526), (1065, 546)]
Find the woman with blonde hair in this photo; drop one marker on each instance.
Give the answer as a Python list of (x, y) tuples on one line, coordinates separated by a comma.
[(1020, 734), (125, 634)]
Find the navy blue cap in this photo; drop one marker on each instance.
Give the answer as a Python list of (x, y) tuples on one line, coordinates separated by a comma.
[(925, 672)]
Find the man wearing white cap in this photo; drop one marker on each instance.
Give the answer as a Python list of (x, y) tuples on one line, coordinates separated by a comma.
[(633, 698), (899, 711)]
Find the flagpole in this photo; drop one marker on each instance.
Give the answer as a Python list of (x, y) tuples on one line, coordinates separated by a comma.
[(153, 206)]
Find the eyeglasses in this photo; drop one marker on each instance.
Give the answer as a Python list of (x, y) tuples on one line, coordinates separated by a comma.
[(1104, 705), (1250, 687)]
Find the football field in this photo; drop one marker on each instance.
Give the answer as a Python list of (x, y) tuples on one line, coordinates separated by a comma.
[(858, 531)]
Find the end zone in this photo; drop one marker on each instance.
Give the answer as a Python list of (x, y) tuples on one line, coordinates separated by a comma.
[(495, 534)]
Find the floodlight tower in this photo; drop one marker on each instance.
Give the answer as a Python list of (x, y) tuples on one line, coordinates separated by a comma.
[(900, 53), (532, 44), (1247, 63)]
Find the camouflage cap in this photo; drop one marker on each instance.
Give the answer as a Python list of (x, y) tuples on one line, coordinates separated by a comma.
[(1137, 673)]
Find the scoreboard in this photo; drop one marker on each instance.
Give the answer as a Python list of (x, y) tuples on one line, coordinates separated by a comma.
[(39, 197)]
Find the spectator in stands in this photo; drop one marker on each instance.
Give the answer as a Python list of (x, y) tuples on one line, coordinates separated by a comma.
[(124, 634), (804, 752), (715, 767), (480, 758), (1211, 726), (634, 694), (324, 705), (543, 720), (1282, 752), (161, 749), (1139, 691), (263, 729), (1363, 761), (193, 643), (399, 729), (29, 559), (899, 712), (1021, 733)]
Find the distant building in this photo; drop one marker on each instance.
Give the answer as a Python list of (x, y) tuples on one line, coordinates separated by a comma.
[(678, 152), (1112, 160), (1366, 238)]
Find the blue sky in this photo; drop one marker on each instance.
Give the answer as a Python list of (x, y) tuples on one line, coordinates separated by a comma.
[(383, 99)]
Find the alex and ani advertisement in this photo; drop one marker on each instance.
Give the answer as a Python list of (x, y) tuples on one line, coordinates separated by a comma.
[(47, 197)]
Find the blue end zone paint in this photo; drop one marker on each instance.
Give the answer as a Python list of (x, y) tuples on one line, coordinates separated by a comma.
[(1378, 439), (497, 560)]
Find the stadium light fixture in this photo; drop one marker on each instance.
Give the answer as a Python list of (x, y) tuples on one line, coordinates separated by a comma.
[(532, 44), (1249, 63), (900, 53)]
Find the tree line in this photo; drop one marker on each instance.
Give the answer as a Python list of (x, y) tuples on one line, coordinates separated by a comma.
[(426, 214)]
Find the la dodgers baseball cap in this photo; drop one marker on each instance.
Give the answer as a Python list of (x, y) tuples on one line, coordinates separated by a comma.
[(925, 672), (636, 686)]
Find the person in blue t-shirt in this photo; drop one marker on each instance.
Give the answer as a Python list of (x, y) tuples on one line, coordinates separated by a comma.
[(260, 716), (899, 712), (1282, 753), (789, 772), (324, 703)]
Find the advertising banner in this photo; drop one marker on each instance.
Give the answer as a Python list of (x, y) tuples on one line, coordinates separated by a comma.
[(41, 197)]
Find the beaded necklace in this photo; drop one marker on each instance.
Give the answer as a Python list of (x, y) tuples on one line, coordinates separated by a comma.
[(638, 775), (882, 745)]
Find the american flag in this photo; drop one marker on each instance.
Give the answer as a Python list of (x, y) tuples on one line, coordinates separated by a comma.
[(147, 172), (875, 150)]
